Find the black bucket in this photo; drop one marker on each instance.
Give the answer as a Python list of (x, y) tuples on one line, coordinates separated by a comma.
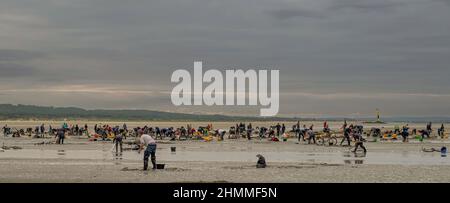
[(173, 149), (160, 166)]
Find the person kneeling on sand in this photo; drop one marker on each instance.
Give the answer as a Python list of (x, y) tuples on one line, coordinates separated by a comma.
[(261, 163), (150, 144)]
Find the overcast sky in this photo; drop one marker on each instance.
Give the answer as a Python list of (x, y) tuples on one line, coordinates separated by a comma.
[(336, 57)]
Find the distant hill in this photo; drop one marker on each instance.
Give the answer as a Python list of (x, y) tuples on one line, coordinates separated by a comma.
[(31, 112)]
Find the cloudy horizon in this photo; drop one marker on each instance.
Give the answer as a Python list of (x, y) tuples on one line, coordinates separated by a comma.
[(336, 57)]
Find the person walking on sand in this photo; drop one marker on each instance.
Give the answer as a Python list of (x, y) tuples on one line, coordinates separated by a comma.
[(150, 150), (302, 134), (359, 142)]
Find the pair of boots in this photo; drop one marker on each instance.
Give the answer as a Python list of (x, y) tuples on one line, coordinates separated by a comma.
[(153, 163)]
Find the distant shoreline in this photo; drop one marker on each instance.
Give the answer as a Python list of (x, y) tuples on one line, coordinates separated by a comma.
[(48, 113)]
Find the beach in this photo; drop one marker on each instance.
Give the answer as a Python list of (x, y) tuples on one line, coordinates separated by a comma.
[(231, 160)]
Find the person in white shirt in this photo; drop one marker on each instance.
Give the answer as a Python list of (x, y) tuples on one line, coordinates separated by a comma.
[(150, 150), (221, 133)]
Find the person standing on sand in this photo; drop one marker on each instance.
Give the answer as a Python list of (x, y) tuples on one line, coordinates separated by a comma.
[(124, 127), (61, 135), (118, 140), (278, 126), (405, 133), (50, 130), (429, 129), (86, 129), (441, 131), (43, 130), (344, 126), (326, 128), (5, 130), (347, 132), (311, 136), (304, 130), (297, 129), (249, 132), (150, 151)]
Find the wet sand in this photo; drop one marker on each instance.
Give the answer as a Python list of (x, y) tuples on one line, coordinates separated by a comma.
[(228, 161)]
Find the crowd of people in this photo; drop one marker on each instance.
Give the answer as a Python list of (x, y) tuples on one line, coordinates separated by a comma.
[(146, 136), (240, 130)]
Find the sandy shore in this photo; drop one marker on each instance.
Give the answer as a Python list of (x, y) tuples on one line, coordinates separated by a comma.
[(229, 161)]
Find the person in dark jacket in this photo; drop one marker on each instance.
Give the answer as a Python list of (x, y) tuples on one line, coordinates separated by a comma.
[(61, 135), (261, 163), (359, 142)]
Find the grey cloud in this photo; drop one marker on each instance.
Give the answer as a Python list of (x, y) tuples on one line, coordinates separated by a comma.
[(15, 70), (18, 55), (320, 46), (283, 14), (447, 2), (367, 5)]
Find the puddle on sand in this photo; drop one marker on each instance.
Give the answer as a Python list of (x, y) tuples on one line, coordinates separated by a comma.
[(117, 156), (356, 161), (61, 152), (402, 158)]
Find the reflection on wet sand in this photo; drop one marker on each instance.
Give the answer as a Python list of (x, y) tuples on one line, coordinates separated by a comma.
[(405, 158)]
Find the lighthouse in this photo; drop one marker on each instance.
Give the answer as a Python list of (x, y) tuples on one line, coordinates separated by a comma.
[(378, 116)]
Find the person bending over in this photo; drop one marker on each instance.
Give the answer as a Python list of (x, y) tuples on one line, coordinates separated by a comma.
[(150, 150)]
